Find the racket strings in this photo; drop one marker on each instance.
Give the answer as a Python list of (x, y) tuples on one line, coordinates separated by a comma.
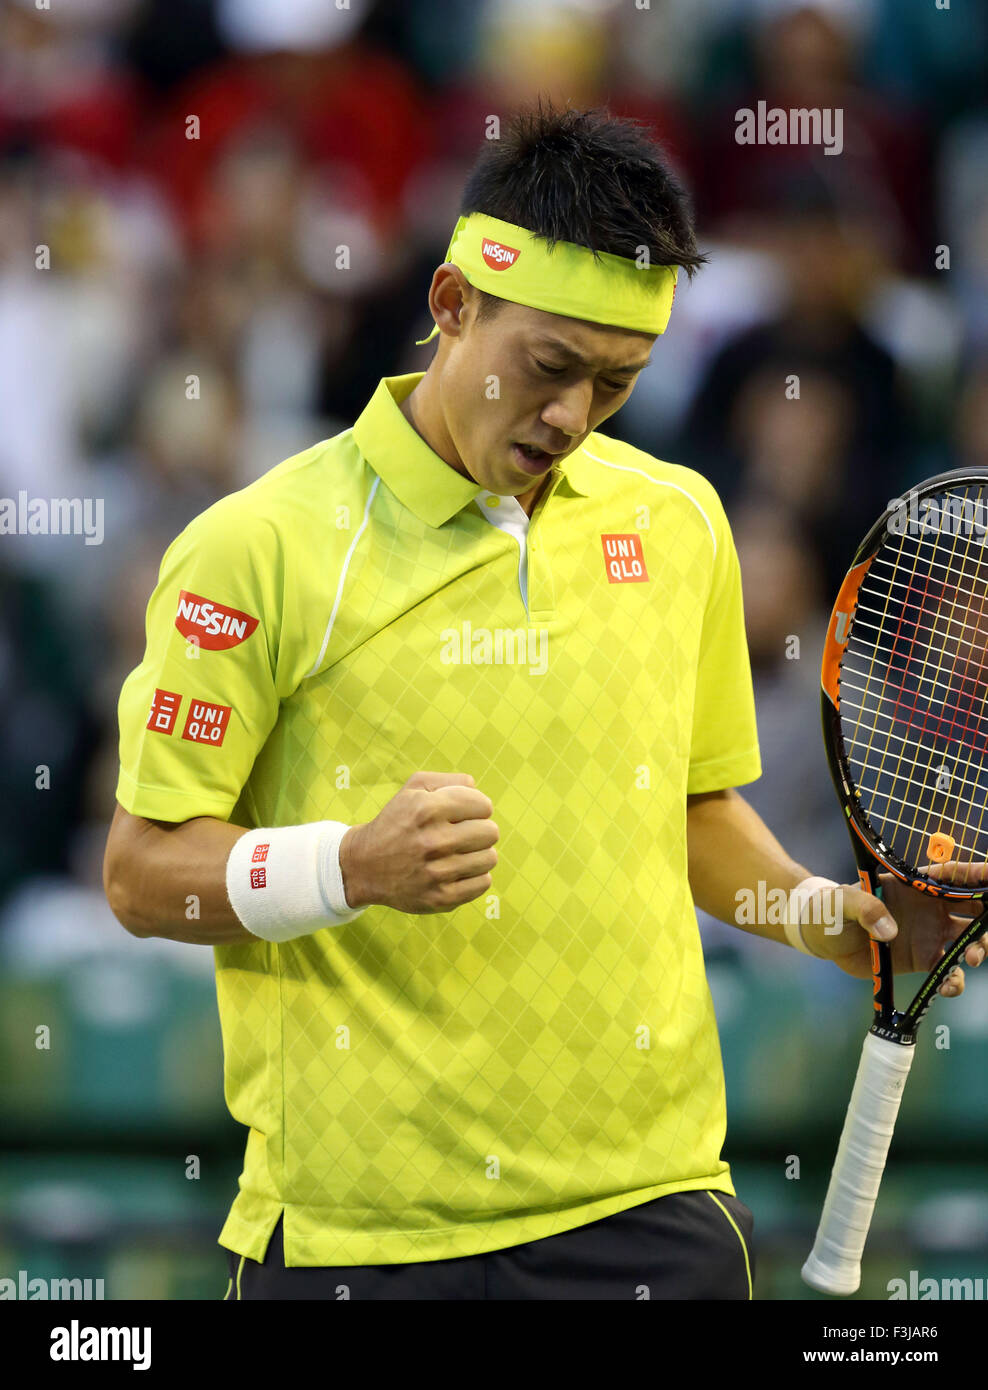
[(936, 694), (923, 701), (873, 696), (974, 801), (950, 622), (972, 573), (950, 725), (957, 677), (917, 736)]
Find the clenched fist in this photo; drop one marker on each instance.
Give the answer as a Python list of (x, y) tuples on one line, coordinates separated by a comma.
[(430, 849)]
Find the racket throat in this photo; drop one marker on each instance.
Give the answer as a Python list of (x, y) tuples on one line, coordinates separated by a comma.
[(898, 1030)]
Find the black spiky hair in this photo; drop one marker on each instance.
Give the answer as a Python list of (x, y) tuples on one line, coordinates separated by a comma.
[(588, 177)]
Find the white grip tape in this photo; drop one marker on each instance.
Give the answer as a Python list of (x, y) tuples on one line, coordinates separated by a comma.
[(834, 1264)]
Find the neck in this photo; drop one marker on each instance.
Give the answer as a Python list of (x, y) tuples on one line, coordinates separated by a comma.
[(422, 410)]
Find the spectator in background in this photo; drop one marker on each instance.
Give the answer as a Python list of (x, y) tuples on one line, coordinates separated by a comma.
[(786, 610), (303, 70), (60, 85), (922, 56), (966, 445), (972, 419), (963, 179), (48, 730), (575, 53), (748, 428), (806, 55)]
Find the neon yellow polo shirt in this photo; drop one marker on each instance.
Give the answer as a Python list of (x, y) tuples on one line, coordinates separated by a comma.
[(422, 1087)]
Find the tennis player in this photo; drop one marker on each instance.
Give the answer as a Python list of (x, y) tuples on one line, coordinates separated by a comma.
[(435, 741)]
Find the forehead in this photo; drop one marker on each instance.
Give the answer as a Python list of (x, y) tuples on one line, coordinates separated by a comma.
[(577, 340)]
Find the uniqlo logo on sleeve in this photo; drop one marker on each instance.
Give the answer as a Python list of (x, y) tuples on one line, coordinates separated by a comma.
[(258, 878), (260, 853), (206, 723), (164, 710), (624, 559)]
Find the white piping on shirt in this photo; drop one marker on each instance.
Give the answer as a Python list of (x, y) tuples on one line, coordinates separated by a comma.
[(339, 587), (659, 482), (513, 524)]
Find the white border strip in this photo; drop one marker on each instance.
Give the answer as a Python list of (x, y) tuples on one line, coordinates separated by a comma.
[(659, 482), (339, 587)]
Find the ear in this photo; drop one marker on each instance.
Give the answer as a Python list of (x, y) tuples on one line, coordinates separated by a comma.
[(449, 295)]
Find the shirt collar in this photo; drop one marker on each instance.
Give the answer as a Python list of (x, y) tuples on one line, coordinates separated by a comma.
[(418, 477)]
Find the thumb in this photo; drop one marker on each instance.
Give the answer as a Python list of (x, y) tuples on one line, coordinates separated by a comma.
[(870, 913), (435, 781)]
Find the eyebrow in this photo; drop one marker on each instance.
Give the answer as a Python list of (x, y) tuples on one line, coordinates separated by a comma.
[(557, 346)]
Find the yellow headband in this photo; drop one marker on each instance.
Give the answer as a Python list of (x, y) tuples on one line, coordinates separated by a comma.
[(512, 263)]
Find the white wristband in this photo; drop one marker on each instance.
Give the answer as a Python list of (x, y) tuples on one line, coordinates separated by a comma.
[(286, 881), (798, 901)]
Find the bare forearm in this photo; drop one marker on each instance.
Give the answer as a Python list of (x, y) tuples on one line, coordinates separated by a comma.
[(171, 882), (732, 850), (429, 849)]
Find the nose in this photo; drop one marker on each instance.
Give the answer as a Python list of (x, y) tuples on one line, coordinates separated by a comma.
[(569, 409)]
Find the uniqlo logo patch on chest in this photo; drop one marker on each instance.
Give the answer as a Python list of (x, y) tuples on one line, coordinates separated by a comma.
[(258, 878), (624, 559), (164, 710), (206, 723)]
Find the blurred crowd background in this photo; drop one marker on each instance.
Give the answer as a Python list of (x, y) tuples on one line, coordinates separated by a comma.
[(863, 274)]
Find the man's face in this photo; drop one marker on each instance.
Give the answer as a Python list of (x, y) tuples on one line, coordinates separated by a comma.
[(529, 378)]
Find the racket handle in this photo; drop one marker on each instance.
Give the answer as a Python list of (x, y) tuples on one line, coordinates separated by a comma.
[(834, 1264)]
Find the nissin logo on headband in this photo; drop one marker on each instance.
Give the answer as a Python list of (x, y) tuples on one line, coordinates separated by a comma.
[(498, 257)]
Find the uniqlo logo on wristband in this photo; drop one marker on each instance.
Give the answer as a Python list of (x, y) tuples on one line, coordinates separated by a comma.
[(258, 878), (260, 853), (206, 723), (164, 710)]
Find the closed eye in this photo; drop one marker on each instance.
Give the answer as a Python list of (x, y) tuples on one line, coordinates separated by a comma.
[(548, 370)]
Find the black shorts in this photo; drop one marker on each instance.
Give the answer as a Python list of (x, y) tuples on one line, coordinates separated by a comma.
[(690, 1245)]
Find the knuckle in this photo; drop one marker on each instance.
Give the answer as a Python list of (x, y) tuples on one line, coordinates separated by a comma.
[(417, 802)]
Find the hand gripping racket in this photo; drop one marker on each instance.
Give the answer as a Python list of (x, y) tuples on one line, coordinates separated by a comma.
[(905, 724)]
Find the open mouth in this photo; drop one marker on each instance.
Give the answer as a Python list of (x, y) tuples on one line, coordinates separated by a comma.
[(531, 458)]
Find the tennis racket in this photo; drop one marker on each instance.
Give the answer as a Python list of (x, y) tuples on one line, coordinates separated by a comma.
[(905, 724)]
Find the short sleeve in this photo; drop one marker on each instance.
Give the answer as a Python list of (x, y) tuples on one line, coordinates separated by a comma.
[(724, 746), (198, 709)]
